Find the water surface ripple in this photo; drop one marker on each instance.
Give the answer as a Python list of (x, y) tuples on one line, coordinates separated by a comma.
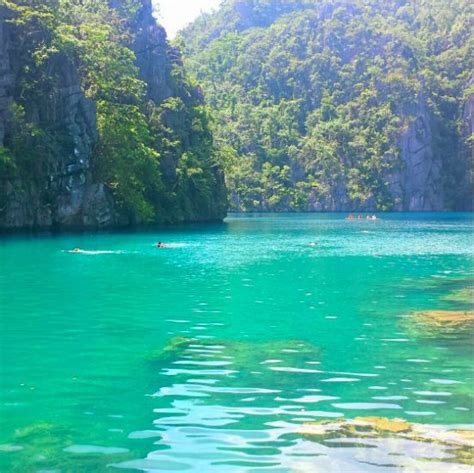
[(239, 347)]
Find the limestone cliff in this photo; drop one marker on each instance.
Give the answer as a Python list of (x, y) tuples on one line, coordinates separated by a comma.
[(6, 79), (415, 179), (63, 190), (156, 59), (63, 193), (465, 196), (416, 183)]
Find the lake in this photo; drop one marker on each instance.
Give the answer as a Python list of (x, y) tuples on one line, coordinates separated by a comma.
[(259, 344)]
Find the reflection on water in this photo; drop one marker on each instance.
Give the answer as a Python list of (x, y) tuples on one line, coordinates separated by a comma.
[(210, 422), (283, 344)]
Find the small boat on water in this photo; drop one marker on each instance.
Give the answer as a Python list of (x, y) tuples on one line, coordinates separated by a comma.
[(360, 217)]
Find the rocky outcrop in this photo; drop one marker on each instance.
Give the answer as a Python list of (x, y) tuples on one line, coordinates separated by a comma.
[(155, 56), (6, 77), (155, 59), (415, 179), (337, 94), (465, 199), (415, 183), (64, 191)]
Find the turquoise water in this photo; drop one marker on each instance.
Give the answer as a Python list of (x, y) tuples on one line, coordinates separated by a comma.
[(210, 355)]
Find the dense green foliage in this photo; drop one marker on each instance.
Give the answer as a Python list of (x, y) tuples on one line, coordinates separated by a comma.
[(134, 134), (311, 97)]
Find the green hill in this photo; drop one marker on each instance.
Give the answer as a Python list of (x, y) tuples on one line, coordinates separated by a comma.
[(339, 105)]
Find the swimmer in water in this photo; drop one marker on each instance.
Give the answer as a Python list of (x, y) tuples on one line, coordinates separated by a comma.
[(160, 245), (76, 250)]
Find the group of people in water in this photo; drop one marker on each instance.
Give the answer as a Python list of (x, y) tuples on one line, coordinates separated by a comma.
[(360, 217), (158, 244)]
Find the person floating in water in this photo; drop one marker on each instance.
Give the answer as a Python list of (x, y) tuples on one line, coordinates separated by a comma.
[(160, 245), (76, 250)]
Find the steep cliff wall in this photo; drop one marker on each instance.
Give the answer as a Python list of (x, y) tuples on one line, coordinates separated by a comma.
[(156, 60), (62, 192), (49, 133), (416, 182), (465, 200), (6, 77)]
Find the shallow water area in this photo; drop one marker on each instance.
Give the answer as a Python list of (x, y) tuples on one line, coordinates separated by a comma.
[(224, 351)]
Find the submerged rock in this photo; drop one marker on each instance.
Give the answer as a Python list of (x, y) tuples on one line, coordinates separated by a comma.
[(459, 442), (444, 318), (383, 424), (171, 350), (42, 432), (242, 352), (463, 296), (438, 323), (360, 426), (43, 446), (256, 361)]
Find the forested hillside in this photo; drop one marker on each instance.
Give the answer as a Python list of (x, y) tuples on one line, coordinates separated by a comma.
[(99, 124), (340, 105)]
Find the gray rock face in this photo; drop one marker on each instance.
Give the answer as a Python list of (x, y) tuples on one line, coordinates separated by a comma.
[(416, 183), (6, 78), (80, 201), (154, 55), (155, 59), (65, 194), (466, 155)]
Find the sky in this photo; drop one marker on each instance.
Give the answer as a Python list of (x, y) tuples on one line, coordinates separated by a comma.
[(175, 14)]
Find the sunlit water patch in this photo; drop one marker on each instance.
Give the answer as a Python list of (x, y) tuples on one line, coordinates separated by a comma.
[(268, 343)]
